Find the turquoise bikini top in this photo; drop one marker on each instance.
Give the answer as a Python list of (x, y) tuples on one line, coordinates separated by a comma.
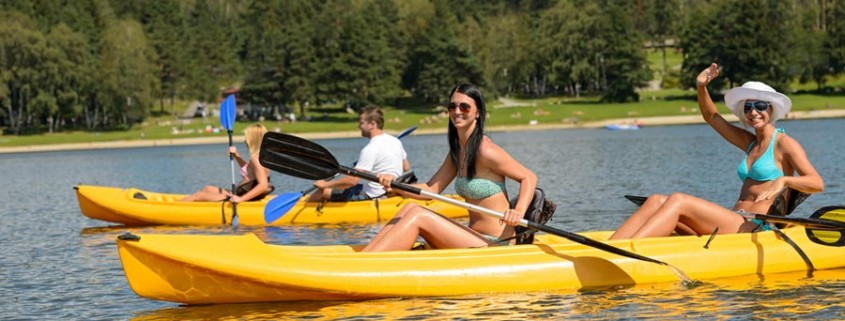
[(764, 168), (477, 188)]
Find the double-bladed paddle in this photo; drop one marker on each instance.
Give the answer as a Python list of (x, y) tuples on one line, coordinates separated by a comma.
[(227, 119), (280, 205), (302, 158)]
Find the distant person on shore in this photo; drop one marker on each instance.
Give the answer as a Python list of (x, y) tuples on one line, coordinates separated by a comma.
[(479, 168), (256, 178), (384, 154), (772, 160)]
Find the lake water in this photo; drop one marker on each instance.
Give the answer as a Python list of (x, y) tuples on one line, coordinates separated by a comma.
[(57, 264)]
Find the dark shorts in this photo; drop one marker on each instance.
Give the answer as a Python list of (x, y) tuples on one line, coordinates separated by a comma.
[(354, 193)]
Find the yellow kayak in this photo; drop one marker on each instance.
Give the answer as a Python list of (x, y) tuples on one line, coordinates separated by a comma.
[(132, 206), (208, 269)]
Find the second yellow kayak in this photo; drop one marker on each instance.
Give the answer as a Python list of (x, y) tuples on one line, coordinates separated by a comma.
[(135, 207)]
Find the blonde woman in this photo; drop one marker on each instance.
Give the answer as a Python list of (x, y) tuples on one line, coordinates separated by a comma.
[(256, 178), (773, 161)]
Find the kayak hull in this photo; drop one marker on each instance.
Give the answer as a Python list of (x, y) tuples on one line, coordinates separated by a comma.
[(211, 269), (135, 207)]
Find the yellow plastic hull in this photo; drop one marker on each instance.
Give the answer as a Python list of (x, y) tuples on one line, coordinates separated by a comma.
[(118, 205), (205, 269)]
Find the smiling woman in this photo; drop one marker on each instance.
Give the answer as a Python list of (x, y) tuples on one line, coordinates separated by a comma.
[(479, 168), (770, 166)]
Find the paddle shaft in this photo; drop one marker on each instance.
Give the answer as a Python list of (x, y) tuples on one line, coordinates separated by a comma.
[(551, 230), (232, 163)]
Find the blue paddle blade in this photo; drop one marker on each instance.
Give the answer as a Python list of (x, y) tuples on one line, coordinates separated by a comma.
[(406, 132), (280, 205), (227, 113), (235, 221)]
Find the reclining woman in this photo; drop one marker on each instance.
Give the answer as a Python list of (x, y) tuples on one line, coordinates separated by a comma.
[(479, 168), (771, 162), (256, 178)]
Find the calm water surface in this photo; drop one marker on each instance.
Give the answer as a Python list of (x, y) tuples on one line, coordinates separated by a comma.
[(58, 264)]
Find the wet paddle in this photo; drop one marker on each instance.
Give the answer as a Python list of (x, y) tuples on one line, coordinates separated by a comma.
[(227, 119), (280, 205), (302, 158), (829, 237)]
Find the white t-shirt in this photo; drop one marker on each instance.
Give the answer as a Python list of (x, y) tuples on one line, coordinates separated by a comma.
[(383, 154)]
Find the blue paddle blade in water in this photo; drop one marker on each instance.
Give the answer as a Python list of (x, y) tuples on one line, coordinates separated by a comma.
[(280, 205), (227, 112)]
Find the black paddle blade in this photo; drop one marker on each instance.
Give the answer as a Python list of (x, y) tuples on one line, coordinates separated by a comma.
[(827, 236), (639, 200), (295, 156)]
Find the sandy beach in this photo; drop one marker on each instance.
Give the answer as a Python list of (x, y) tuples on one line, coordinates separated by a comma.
[(645, 121)]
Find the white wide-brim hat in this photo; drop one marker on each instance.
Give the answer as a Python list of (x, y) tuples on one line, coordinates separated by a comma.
[(755, 90)]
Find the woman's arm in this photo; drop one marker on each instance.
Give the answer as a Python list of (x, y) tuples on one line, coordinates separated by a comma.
[(262, 183), (500, 162), (808, 179), (734, 135), (234, 151)]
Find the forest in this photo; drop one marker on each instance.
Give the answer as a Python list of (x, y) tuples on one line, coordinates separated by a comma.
[(109, 64)]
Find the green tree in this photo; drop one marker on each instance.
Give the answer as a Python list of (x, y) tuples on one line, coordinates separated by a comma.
[(165, 25), (67, 75), (22, 48), (439, 61), (211, 53), (127, 73), (834, 44), (751, 40), (622, 59), (279, 54)]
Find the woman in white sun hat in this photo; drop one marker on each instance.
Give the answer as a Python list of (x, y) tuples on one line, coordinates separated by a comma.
[(772, 160)]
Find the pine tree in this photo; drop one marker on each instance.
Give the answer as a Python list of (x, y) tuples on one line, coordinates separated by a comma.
[(439, 61)]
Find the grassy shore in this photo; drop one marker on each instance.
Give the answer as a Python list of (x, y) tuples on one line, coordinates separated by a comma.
[(656, 107), (661, 107)]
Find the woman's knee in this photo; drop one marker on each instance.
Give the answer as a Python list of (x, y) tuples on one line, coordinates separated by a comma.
[(656, 199), (677, 198)]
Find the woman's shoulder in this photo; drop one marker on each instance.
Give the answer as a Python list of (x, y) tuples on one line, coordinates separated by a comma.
[(489, 149), (787, 143)]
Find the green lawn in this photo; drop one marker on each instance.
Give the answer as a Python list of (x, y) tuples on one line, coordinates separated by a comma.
[(554, 110)]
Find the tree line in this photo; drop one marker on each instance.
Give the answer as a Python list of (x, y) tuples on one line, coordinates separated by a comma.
[(108, 64)]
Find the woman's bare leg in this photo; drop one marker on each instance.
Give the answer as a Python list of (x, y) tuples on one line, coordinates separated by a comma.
[(636, 220), (396, 218), (697, 214), (207, 194), (413, 221)]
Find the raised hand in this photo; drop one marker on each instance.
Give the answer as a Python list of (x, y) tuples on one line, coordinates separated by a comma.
[(707, 75)]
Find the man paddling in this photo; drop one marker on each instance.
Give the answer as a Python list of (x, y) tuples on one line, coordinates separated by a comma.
[(384, 154)]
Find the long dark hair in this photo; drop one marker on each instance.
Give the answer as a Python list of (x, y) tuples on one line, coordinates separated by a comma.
[(474, 141)]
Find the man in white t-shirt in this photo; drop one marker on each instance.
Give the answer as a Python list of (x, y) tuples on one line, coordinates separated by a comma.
[(383, 154)]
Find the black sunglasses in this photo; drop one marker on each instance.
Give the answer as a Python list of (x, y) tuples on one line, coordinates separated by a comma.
[(463, 106), (759, 105)]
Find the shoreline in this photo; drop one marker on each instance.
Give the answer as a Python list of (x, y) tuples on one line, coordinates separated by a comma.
[(645, 121)]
